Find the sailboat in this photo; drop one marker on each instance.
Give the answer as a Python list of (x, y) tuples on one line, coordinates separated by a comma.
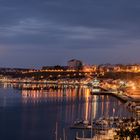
[(91, 138)]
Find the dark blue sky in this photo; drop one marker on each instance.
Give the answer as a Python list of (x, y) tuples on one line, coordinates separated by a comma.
[(49, 32)]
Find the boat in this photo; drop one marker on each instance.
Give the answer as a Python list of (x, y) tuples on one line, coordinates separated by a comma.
[(102, 122), (137, 109), (91, 128), (81, 124)]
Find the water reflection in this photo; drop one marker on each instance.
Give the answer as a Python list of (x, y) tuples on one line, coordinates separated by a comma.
[(36, 112)]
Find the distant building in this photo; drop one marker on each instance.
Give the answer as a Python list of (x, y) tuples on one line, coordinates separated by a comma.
[(75, 64)]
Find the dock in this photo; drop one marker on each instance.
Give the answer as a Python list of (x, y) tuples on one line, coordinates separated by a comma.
[(122, 97)]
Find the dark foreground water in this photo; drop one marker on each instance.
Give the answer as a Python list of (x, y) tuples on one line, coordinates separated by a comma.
[(34, 115)]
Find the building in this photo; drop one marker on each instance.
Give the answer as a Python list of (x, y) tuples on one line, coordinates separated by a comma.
[(75, 64)]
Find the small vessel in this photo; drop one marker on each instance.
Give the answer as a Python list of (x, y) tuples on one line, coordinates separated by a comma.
[(81, 124), (137, 109), (91, 129)]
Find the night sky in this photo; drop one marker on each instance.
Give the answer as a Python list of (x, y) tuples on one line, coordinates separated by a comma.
[(34, 33)]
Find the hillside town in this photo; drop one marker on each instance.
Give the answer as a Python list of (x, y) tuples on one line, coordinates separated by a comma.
[(122, 78)]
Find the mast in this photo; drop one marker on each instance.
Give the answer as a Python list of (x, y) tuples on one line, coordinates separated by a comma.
[(91, 118), (56, 131)]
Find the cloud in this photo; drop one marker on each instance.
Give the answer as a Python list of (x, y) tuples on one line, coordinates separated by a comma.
[(37, 32), (82, 26)]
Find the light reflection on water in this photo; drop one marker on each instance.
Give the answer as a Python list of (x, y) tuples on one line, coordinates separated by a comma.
[(33, 115)]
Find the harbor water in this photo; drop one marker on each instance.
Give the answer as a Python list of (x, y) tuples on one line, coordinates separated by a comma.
[(48, 115)]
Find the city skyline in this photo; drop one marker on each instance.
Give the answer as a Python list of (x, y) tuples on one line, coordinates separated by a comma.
[(35, 33)]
